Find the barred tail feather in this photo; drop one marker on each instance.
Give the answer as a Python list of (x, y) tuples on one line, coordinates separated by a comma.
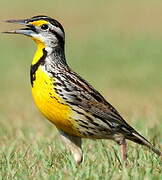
[(137, 138)]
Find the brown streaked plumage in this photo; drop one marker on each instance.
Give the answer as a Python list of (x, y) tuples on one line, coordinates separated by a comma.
[(66, 99)]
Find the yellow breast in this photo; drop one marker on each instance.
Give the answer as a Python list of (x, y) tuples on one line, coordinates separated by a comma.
[(51, 104)]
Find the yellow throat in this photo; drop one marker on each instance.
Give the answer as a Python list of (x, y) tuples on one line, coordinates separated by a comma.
[(39, 52), (48, 101)]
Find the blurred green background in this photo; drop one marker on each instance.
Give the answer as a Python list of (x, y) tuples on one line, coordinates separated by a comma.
[(115, 45)]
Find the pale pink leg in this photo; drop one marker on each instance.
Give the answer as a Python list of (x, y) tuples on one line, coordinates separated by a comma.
[(123, 146), (73, 143)]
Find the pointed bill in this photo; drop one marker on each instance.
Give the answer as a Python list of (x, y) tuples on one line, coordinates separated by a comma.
[(28, 31), (21, 21)]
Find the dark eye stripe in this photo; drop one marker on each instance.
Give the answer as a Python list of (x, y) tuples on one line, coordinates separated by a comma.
[(57, 24), (60, 38)]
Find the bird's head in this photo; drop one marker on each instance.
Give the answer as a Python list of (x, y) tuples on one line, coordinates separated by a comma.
[(42, 29)]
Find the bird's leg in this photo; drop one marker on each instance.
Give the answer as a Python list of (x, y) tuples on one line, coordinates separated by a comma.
[(123, 146), (120, 139), (73, 143)]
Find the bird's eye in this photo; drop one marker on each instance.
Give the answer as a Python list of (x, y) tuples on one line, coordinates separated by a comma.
[(44, 27)]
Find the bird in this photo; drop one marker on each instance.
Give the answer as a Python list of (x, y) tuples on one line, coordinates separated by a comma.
[(67, 100)]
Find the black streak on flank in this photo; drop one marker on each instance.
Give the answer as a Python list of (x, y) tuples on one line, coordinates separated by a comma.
[(35, 66)]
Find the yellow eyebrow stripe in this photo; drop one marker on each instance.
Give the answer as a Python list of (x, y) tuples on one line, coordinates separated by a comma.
[(39, 22)]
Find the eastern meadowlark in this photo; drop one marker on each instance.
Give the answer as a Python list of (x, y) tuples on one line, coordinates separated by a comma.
[(67, 100)]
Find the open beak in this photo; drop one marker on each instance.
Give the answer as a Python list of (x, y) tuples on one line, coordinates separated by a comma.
[(28, 31)]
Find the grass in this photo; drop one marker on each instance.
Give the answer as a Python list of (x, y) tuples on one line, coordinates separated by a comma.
[(119, 51)]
